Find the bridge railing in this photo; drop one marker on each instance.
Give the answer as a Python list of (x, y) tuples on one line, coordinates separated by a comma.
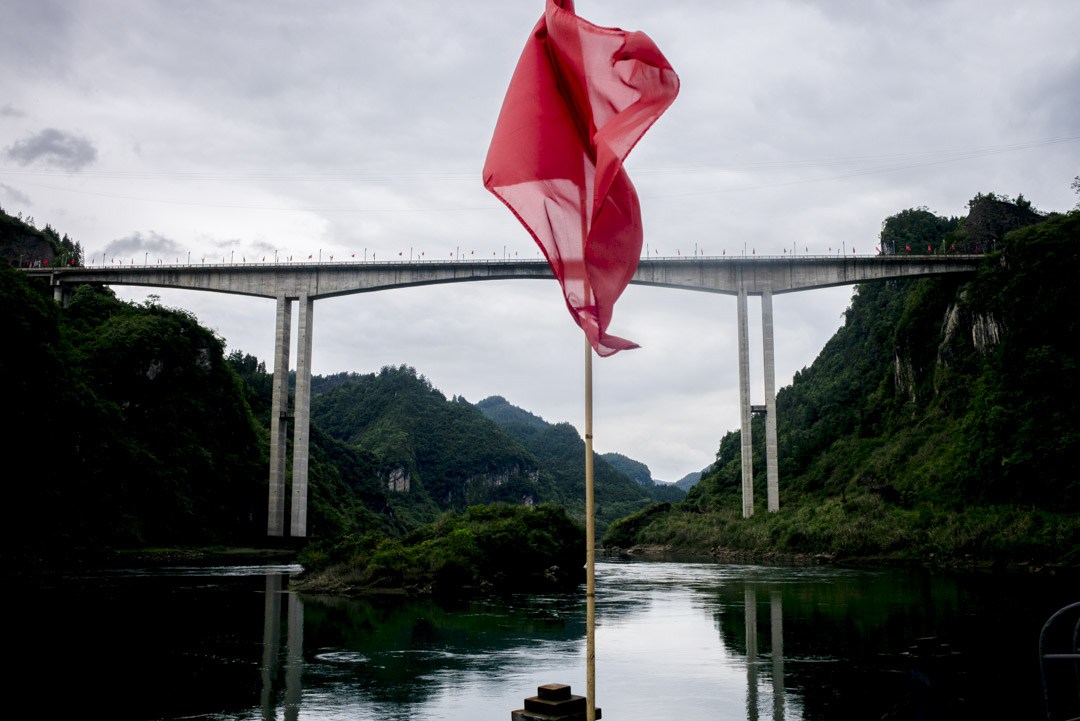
[(488, 261)]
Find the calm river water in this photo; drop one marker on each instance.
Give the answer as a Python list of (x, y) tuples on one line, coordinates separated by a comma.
[(674, 641)]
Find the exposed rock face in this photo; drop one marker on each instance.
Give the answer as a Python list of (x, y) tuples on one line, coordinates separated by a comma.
[(904, 377), (989, 219), (986, 332), (399, 480), (21, 243), (155, 368), (498, 478)]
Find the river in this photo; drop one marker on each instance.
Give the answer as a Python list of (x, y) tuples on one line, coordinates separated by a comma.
[(675, 640)]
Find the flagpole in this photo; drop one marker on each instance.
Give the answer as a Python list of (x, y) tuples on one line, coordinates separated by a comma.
[(590, 549)]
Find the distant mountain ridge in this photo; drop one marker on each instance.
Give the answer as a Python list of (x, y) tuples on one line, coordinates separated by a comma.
[(532, 429), (690, 479)]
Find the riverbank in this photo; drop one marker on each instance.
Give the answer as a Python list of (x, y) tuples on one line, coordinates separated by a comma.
[(30, 562), (862, 531), (655, 552)]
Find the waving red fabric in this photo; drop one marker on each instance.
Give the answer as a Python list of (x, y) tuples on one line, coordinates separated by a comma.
[(580, 99)]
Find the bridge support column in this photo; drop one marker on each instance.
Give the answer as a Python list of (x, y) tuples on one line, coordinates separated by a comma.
[(279, 419), (772, 473), (303, 417), (747, 453)]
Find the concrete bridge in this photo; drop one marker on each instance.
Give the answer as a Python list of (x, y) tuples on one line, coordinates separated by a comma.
[(307, 282)]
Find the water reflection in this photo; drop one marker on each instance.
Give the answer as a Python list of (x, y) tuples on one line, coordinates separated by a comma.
[(776, 651), (674, 640)]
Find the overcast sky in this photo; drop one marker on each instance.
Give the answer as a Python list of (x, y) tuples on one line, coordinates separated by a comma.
[(244, 129)]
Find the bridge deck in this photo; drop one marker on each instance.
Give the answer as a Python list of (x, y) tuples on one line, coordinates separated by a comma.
[(728, 275)]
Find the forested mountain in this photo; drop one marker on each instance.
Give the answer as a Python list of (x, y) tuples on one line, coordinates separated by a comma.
[(452, 452), (690, 479), (940, 419), (610, 469), (125, 421), (635, 470), (639, 472), (427, 445)]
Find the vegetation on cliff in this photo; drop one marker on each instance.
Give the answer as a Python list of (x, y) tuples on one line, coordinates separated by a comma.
[(486, 548), (131, 426), (940, 421)]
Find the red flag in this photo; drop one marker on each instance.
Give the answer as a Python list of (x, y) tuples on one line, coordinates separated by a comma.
[(580, 99), (928, 249), (908, 247)]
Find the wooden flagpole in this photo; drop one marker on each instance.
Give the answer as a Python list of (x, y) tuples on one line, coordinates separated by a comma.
[(590, 548)]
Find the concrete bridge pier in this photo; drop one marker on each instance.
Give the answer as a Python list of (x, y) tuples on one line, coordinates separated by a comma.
[(62, 294), (772, 473), (746, 410), (302, 424), (279, 419), (747, 449)]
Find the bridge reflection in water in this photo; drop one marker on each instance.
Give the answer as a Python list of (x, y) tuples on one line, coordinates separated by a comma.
[(776, 637), (304, 283)]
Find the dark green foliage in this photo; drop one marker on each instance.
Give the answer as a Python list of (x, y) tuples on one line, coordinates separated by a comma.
[(455, 457), (258, 384), (1021, 437), (940, 407), (561, 453), (916, 228), (635, 470), (448, 450), (501, 411), (639, 472), (497, 547), (667, 492), (141, 428)]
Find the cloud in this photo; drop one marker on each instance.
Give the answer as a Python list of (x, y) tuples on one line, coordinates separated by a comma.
[(144, 243), (53, 147), (15, 194), (10, 111)]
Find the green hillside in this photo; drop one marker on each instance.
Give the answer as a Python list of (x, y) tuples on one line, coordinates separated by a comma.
[(940, 421), (560, 447), (426, 445), (130, 426)]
